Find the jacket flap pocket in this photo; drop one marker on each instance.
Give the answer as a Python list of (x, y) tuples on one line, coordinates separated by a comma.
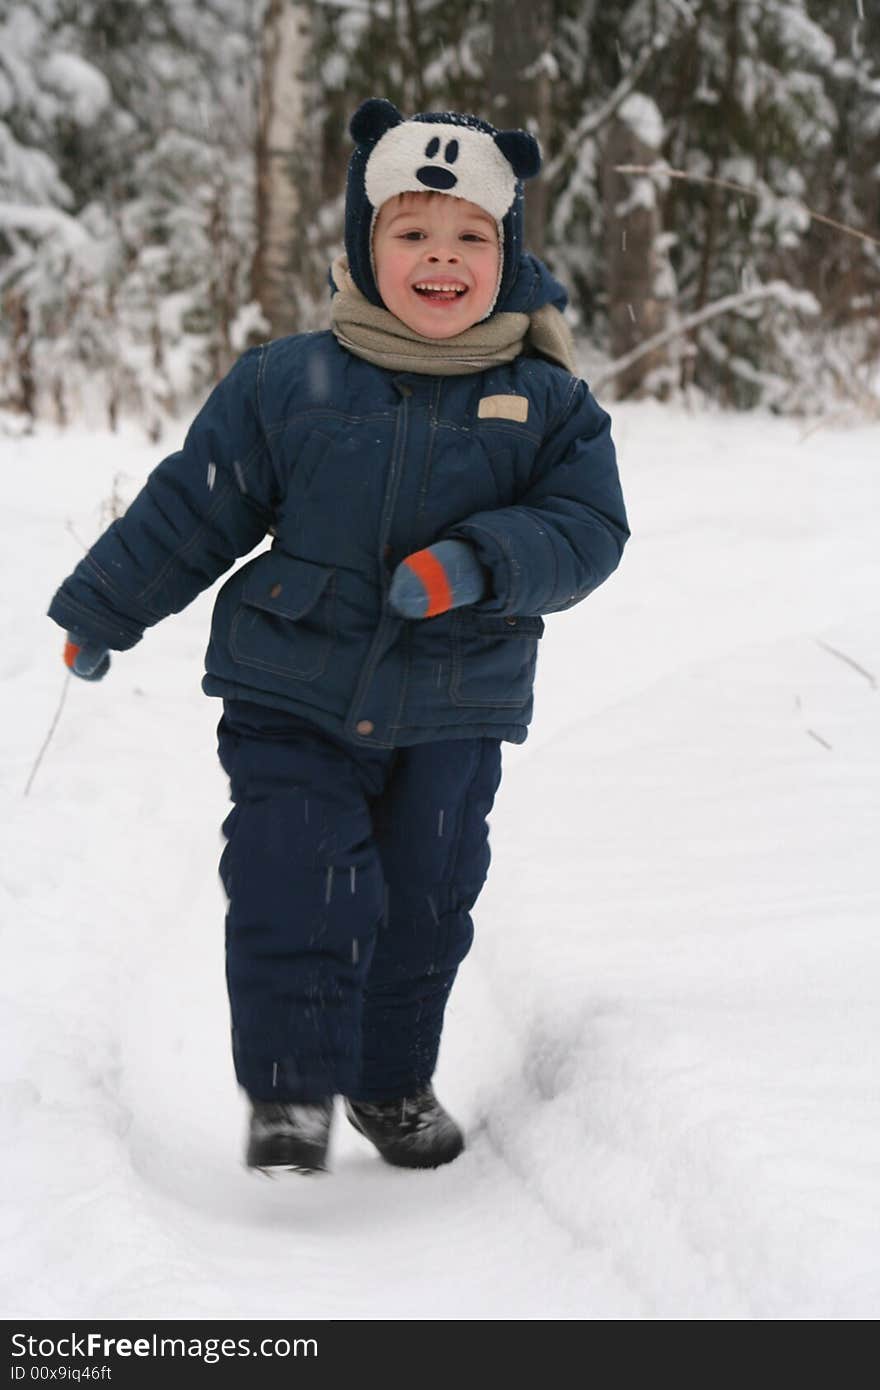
[(285, 585), (494, 625)]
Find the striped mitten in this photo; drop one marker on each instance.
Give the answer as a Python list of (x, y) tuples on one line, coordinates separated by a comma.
[(88, 660), (431, 581)]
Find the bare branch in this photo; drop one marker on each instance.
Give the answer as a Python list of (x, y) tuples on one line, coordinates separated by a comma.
[(594, 120), (776, 289), (662, 170)]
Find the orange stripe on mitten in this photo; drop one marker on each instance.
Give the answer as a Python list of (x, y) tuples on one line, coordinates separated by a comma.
[(428, 569)]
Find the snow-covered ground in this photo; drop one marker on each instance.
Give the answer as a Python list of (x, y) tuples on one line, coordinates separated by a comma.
[(664, 1045)]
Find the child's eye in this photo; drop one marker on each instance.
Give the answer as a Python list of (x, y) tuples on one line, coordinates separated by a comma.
[(415, 235)]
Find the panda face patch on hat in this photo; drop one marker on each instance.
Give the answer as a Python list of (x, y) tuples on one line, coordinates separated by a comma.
[(435, 152), (418, 158)]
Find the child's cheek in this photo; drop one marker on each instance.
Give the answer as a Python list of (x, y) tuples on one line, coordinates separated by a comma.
[(401, 263), (399, 272)]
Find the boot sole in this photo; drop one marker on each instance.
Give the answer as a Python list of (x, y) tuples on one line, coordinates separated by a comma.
[(278, 1170), (286, 1156)]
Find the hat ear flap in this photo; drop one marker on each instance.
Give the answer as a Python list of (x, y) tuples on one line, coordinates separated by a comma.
[(372, 118), (521, 151)]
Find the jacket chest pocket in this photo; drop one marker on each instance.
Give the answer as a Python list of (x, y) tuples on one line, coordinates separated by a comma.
[(493, 659), (285, 619)]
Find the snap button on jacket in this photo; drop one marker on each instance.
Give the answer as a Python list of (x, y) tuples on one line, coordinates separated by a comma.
[(343, 464)]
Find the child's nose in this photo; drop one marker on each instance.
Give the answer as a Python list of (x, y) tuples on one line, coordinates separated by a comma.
[(451, 256)]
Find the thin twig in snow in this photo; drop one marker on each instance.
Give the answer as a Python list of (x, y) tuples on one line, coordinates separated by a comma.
[(842, 656), (820, 739), (48, 738)]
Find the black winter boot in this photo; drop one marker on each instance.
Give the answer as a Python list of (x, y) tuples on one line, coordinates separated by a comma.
[(415, 1132), (289, 1135)]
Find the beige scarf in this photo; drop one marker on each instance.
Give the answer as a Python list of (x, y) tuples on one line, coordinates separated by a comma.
[(378, 336)]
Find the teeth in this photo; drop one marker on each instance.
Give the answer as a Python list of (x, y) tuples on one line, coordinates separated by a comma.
[(429, 285)]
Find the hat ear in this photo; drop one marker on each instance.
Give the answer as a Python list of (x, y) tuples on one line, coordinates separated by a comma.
[(521, 151), (372, 118)]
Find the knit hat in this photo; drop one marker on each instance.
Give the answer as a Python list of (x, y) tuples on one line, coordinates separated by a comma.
[(456, 154)]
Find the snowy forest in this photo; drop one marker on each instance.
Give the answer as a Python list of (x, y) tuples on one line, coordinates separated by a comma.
[(173, 173)]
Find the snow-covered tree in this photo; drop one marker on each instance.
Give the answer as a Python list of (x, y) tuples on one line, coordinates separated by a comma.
[(127, 184), (139, 142)]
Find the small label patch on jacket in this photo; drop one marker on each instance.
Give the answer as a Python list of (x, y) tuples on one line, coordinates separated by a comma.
[(504, 408)]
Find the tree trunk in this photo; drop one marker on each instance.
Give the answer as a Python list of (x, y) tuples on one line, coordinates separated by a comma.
[(421, 54), (222, 281), (22, 352), (639, 277), (519, 91), (714, 214), (281, 250)]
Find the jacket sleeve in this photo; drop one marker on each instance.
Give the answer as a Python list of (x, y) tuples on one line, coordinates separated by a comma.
[(566, 533), (199, 510)]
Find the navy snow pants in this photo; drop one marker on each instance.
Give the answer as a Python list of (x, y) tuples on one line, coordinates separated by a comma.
[(350, 874)]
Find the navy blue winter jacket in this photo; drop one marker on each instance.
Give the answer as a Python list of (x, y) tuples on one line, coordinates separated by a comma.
[(351, 467)]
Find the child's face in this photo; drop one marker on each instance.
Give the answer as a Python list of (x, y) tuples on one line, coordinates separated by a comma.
[(439, 240)]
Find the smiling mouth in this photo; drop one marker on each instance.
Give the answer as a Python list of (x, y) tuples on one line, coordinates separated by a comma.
[(440, 294)]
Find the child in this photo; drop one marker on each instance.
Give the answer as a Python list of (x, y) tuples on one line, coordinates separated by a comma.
[(435, 477)]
